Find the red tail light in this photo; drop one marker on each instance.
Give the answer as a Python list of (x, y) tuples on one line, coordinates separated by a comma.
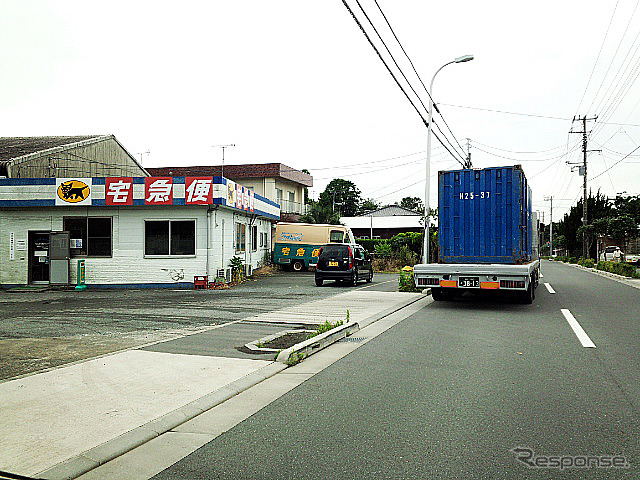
[(350, 257), (320, 252)]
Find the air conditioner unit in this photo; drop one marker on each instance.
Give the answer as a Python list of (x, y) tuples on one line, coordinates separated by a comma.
[(220, 273)]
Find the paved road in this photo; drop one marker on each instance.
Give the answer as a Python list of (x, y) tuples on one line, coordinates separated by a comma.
[(48, 329), (451, 390)]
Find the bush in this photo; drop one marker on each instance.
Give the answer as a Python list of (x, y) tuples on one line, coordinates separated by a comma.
[(619, 268), (369, 244), (406, 256), (406, 282), (383, 248), (412, 240), (588, 263)]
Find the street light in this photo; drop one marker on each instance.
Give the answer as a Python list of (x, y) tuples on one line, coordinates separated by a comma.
[(464, 58)]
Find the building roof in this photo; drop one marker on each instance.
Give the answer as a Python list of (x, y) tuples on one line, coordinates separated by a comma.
[(396, 221), (14, 147), (252, 170), (391, 211)]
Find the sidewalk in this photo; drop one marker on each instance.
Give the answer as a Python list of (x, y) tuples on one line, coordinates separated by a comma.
[(61, 423)]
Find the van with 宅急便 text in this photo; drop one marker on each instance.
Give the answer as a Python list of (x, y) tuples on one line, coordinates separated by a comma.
[(297, 245)]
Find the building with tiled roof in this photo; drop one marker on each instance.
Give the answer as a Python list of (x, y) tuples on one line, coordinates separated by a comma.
[(276, 181)]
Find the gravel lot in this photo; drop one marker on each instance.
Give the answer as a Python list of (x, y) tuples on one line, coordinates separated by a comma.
[(42, 330)]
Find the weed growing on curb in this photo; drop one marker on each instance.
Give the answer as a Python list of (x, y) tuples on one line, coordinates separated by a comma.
[(295, 358), (325, 327)]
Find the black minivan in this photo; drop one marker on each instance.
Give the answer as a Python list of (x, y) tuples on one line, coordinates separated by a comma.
[(343, 263)]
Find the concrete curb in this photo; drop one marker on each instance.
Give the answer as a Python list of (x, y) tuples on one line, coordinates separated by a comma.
[(96, 456), (633, 282), (317, 343), (101, 454)]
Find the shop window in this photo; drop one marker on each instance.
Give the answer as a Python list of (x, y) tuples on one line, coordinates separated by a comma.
[(254, 238), (170, 237), (89, 236), (241, 232)]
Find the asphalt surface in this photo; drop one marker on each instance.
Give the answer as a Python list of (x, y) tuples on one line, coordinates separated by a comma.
[(452, 390), (43, 330)]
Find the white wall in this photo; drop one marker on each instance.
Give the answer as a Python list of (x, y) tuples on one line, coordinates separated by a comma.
[(128, 265)]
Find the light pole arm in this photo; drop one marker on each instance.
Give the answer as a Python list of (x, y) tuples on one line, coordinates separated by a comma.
[(427, 193)]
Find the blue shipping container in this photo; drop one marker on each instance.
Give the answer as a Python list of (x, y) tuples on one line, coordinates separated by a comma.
[(484, 216)]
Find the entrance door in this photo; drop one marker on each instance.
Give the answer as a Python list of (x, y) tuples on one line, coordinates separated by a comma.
[(39, 257), (59, 258)]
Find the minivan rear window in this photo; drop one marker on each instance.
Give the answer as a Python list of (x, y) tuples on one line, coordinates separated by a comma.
[(335, 250), (336, 236)]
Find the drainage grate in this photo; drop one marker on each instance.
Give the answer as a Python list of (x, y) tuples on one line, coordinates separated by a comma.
[(353, 339)]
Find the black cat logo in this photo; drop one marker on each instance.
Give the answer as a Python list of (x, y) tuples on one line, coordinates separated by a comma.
[(73, 191)]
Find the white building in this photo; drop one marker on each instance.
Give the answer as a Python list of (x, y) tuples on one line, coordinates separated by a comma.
[(384, 222), (130, 231)]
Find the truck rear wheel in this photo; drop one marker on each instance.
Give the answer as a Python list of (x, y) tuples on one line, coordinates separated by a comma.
[(298, 266), (528, 296), (437, 294)]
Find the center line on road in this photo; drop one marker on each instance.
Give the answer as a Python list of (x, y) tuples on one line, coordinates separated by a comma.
[(549, 287), (577, 329)]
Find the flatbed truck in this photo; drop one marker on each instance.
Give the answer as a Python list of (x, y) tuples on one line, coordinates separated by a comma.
[(487, 236)]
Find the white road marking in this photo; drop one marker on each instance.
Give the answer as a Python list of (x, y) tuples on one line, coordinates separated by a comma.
[(549, 287), (541, 275), (577, 329)]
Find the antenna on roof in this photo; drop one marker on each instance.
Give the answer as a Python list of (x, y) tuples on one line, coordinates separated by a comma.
[(223, 147), (141, 154)]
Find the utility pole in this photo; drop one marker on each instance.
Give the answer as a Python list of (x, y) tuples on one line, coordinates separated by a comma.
[(550, 226), (468, 159), (583, 171)]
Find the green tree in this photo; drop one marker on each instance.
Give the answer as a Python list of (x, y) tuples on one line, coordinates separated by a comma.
[(341, 196), (368, 205), (623, 227), (597, 207), (316, 213), (628, 206), (413, 203)]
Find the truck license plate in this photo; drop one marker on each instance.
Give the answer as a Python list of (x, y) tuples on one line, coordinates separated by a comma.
[(469, 282), (333, 264)]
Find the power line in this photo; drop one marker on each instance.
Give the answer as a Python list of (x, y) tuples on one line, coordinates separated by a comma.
[(598, 57), (627, 155), (513, 151), (424, 121), (612, 59), (400, 69), (523, 159), (545, 117), (417, 74)]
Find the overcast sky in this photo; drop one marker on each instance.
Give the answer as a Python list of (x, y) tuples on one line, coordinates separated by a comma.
[(297, 82)]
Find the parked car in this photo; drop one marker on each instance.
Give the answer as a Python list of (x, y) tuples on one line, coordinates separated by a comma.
[(343, 263)]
